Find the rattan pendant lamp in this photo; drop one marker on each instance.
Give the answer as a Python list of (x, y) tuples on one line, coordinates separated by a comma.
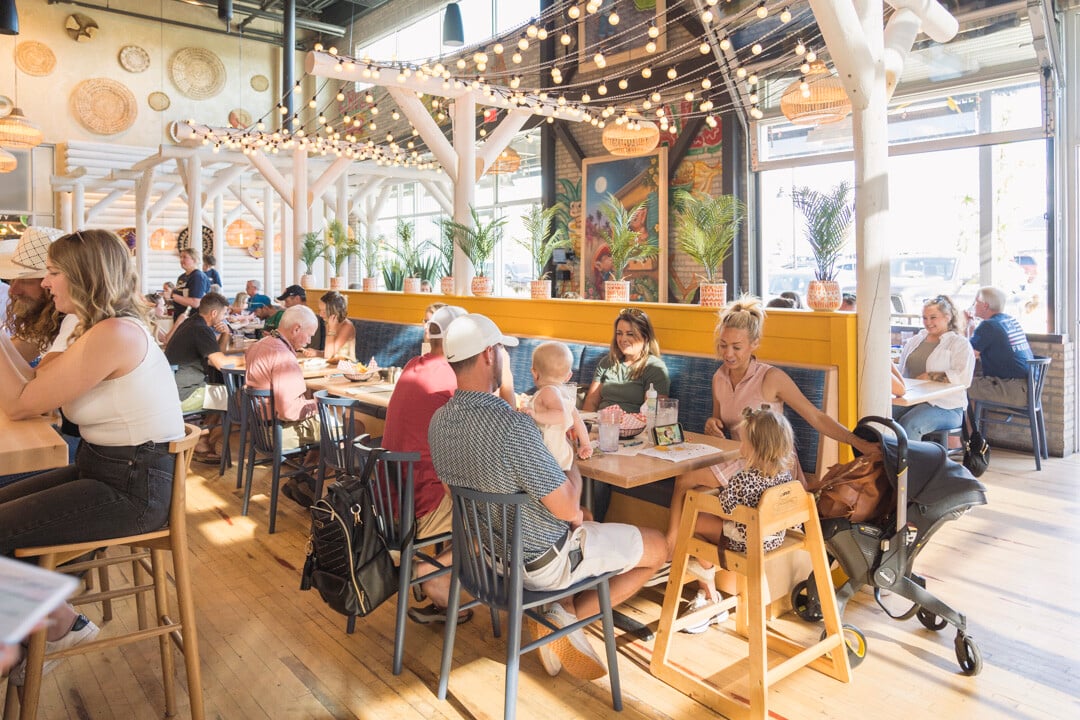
[(16, 132), (817, 98), (630, 136), (8, 162), (508, 162)]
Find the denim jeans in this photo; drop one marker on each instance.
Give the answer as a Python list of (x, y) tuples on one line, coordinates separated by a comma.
[(109, 492), (918, 420)]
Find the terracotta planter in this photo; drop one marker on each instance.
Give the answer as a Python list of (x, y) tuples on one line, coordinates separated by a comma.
[(446, 285), (412, 285), (307, 281), (713, 294), (481, 286), (338, 283), (617, 290), (539, 289), (371, 284), (824, 295)]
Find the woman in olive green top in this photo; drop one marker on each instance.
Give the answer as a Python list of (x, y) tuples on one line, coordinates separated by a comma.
[(634, 363)]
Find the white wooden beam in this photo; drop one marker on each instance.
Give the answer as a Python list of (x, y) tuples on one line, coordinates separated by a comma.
[(499, 139), (429, 130)]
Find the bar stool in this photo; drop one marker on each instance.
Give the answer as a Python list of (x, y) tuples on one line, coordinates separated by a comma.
[(153, 545), (781, 508)]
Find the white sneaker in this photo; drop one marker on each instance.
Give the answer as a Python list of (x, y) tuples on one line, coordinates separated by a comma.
[(548, 658), (706, 575), (574, 652), (82, 630), (701, 600)]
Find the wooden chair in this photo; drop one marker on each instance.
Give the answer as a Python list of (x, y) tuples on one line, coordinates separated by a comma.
[(488, 520), (988, 412), (781, 507), (152, 545)]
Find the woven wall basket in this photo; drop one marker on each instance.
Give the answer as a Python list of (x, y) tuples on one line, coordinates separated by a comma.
[(103, 106), (259, 83), (183, 240), (134, 59), (197, 73), (158, 101), (35, 58)]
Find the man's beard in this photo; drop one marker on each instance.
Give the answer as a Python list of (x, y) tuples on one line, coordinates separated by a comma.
[(27, 309)]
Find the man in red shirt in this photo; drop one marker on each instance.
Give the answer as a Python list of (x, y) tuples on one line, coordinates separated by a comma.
[(426, 384)]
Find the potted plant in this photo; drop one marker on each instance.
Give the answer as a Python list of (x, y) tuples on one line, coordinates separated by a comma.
[(478, 242), (339, 248), (829, 216), (705, 228), (540, 243), (624, 244), (446, 256), (410, 256), (311, 249), (369, 252)]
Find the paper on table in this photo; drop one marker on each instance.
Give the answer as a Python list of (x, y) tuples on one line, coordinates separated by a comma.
[(30, 594), (683, 451)]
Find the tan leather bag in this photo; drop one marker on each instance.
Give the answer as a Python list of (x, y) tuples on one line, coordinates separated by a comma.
[(857, 491)]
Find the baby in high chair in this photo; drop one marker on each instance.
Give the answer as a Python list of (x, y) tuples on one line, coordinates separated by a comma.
[(553, 413)]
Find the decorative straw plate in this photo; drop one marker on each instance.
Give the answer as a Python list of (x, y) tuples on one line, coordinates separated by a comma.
[(103, 106), (197, 73), (183, 240), (240, 119), (158, 101), (259, 83), (134, 59), (35, 58)]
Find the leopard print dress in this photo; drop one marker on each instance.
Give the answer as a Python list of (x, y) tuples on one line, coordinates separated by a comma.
[(746, 488)]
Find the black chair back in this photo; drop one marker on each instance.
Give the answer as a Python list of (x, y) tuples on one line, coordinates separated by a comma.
[(1037, 367), (392, 490), (487, 544), (337, 428), (263, 430)]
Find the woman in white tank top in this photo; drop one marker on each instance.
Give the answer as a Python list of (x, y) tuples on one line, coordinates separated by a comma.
[(115, 383)]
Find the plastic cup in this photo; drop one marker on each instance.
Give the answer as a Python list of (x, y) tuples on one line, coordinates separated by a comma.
[(667, 411), (609, 435)]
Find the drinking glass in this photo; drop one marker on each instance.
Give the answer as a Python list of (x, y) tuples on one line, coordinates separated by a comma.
[(569, 391), (609, 435), (667, 411)]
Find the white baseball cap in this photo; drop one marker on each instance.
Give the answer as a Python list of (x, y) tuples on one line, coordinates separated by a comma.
[(471, 335), (442, 318), (25, 258)]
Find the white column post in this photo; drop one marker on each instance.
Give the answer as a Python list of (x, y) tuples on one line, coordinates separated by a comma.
[(268, 237), (301, 220), (65, 212), (464, 115), (194, 191), (78, 207)]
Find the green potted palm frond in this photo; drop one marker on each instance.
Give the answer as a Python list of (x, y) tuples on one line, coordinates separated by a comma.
[(311, 249), (338, 249), (540, 242), (829, 217), (478, 242), (705, 228), (446, 256), (370, 249), (410, 254), (625, 244)]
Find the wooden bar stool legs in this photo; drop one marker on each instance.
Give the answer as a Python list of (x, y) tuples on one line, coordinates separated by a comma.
[(781, 507)]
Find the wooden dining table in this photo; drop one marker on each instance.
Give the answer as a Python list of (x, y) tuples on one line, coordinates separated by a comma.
[(30, 445), (373, 396), (920, 391)]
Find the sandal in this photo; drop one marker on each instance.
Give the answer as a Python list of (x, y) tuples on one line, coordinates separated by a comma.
[(208, 457)]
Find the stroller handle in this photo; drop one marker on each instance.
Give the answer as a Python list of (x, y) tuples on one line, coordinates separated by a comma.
[(901, 464)]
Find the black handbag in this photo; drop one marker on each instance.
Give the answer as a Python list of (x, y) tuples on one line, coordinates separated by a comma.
[(976, 449), (348, 561)]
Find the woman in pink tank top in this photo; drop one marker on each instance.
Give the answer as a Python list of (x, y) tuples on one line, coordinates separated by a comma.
[(743, 382)]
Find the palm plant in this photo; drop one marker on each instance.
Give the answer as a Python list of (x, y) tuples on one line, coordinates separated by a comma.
[(339, 246), (446, 247), (622, 240), (409, 252), (540, 241), (311, 249), (705, 229), (369, 250), (478, 241), (829, 217)]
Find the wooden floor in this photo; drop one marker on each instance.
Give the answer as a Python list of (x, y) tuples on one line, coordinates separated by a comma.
[(272, 651)]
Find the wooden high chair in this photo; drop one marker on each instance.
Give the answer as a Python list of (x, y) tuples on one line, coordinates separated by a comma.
[(147, 554), (781, 508)]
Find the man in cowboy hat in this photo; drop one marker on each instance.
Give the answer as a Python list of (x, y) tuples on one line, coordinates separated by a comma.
[(31, 318)]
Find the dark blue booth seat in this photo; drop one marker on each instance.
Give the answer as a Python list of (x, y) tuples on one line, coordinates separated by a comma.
[(391, 344)]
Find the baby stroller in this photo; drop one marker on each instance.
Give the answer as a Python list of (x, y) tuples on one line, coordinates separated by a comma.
[(930, 491)]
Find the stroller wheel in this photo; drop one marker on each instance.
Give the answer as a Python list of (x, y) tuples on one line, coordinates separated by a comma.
[(968, 655), (807, 608), (931, 621), (856, 644)]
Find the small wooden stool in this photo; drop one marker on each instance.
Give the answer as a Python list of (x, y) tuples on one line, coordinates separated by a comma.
[(172, 538), (781, 508)]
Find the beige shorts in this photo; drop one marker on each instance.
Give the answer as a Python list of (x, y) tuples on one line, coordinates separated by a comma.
[(301, 432), (604, 547), (437, 521)]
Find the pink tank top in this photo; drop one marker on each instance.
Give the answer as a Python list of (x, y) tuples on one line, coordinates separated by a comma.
[(747, 393)]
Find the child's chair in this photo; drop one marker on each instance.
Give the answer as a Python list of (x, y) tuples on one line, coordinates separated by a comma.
[(783, 507)]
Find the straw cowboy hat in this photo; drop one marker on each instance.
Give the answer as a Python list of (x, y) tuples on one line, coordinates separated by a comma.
[(25, 258)]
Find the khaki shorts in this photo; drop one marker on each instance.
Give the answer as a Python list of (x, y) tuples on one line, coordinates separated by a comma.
[(301, 432), (438, 521), (604, 547)]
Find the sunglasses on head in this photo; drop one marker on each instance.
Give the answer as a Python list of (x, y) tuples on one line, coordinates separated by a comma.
[(633, 312)]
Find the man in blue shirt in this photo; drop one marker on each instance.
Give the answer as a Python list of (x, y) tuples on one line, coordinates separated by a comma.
[(256, 299), (1002, 348)]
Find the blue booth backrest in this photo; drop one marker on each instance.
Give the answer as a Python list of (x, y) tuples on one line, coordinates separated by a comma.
[(521, 362), (391, 344)]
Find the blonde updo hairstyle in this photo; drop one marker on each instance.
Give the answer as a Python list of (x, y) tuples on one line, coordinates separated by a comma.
[(747, 313), (100, 276)]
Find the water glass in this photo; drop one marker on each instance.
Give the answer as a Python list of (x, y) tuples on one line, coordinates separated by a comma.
[(609, 436), (667, 411), (569, 391)]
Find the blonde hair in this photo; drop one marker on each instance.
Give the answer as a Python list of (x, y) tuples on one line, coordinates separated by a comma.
[(771, 440), (240, 301), (746, 313), (552, 359), (101, 278)]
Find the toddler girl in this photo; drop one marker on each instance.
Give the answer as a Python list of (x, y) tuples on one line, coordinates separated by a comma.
[(551, 363), (767, 449)]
